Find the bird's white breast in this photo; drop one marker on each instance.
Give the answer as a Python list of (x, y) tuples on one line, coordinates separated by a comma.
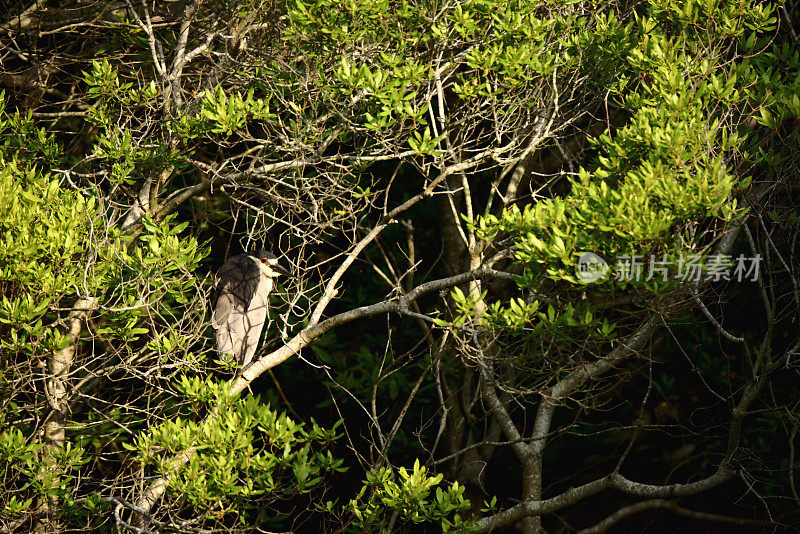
[(260, 298)]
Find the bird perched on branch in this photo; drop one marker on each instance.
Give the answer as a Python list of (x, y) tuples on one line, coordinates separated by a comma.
[(240, 300)]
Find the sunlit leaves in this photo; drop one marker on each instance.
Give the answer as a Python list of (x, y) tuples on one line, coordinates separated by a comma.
[(224, 114), (245, 450), (409, 494)]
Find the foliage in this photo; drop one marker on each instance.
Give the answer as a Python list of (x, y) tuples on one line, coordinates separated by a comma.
[(244, 453), (434, 173), (409, 496)]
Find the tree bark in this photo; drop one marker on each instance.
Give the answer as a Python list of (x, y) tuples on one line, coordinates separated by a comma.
[(56, 389)]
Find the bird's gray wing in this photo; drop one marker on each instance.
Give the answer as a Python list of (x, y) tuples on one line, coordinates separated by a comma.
[(240, 307), (228, 339), (235, 284), (238, 330)]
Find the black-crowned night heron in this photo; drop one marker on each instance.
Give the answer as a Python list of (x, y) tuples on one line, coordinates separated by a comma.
[(240, 300)]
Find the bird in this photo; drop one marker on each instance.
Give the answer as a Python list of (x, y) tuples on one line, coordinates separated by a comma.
[(240, 300)]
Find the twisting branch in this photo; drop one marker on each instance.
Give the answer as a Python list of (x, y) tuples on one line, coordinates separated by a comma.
[(530, 454), (56, 386), (724, 472), (400, 305), (727, 335), (330, 288), (180, 59)]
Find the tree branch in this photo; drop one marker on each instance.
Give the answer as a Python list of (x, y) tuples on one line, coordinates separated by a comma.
[(157, 488)]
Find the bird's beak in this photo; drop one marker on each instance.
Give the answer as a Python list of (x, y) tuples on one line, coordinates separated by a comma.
[(281, 270)]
